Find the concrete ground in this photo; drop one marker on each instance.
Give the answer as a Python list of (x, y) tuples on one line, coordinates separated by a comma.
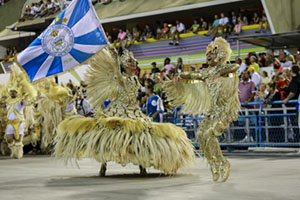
[(275, 177)]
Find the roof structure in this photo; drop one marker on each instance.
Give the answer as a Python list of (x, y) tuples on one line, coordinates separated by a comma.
[(273, 41)]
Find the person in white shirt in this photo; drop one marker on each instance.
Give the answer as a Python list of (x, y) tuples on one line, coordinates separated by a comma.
[(180, 28), (83, 107), (243, 66), (255, 77), (225, 25)]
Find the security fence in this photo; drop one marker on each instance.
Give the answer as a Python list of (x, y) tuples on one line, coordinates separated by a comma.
[(258, 125)]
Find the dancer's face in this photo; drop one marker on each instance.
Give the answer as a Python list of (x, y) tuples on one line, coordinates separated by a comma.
[(131, 65), (211, 59), (13, 94)]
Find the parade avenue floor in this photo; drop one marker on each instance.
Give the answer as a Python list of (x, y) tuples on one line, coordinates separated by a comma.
[(256, 177)]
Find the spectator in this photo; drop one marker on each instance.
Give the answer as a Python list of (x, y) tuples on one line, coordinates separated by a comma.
[(203, 24), (225, 25), (179, 65), (50, 8), (148, 33), (195, 27), (246, 88), (254, 64), (281, 84), (67, 3), (261, 94), (154, 69), (109, 38), (293, 89), (135, 35), (245, 21), (180, 28), (242, 65), (82, 106), (298, 113), (167, 66), (157, 85), (265, 78), (158, 30), (154, 105), (234, 19), (57, 6), (122, 39), (263, 24), (273, 95), (255, 19), (238, 26), (27, 14), (255, 77), (214, 28), (165, 31), (262, 59)]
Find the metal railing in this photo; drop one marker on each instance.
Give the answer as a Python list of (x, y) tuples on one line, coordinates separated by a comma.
[(259, 126)]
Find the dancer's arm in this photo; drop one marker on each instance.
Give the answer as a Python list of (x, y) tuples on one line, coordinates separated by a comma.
[(198, 75), (232, 68)]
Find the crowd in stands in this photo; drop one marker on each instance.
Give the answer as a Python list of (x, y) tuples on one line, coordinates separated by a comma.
[(222, 23), (2, 2), (43, 8)]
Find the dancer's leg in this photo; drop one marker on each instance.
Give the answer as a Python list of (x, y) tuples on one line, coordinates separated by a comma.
[(103, 169)]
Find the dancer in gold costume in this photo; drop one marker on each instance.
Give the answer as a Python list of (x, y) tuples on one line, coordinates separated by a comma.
[(213, 92), (122, 133), (20, 91)]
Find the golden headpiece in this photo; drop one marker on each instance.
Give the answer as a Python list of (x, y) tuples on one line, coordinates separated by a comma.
[(125, 57), (19, 82), (222, 48)]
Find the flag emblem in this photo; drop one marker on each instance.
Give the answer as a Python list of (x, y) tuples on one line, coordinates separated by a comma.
[(58, 40)]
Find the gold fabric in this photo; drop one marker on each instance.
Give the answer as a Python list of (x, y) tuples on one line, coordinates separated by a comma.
[(16, 126)]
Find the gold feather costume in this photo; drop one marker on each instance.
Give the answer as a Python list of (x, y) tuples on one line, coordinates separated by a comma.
[(19, 83), (213, 92), (123, 133), (48, 110)]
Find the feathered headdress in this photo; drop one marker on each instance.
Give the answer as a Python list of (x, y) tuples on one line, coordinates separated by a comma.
[(125, 57), (19, 82), (220, 47)]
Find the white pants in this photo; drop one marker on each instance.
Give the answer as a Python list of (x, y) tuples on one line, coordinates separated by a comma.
[(11, 131)]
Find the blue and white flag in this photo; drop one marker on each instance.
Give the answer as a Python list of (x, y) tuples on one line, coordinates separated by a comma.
[(74, 36)]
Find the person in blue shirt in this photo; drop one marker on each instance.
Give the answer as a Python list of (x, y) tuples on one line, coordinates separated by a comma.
[(298, 113), (154, 105)]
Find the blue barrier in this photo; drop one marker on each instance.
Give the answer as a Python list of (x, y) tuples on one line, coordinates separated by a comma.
[(255, 127)]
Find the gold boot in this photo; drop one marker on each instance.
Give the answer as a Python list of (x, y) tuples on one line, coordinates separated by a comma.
[(215, 170), (225, 170)]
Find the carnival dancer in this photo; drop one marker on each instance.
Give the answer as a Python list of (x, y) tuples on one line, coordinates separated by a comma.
[(214, 92), (122, 133), (19, 90)]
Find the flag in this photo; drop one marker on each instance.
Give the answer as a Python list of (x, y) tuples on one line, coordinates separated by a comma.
[(73, 37)]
